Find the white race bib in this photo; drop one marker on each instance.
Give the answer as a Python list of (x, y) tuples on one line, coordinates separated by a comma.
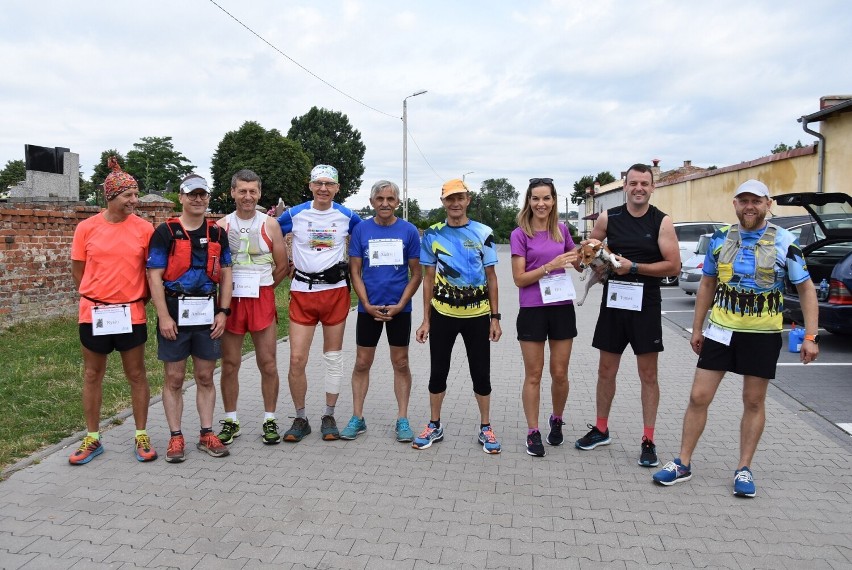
[(624, 295), (720, 335), (385, 252), (557, 287), (195, 311), (246, 285), (111, 319)]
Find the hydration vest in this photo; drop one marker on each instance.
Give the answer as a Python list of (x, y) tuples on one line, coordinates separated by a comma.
[(764, 256), (180, 252)]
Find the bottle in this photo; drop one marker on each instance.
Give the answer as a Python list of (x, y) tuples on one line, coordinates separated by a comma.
[(823, 290), (796, 338)]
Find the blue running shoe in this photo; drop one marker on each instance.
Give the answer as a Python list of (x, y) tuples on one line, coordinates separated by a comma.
[(354, 428), (428, 436), (403, 431), (743, 483), (673, 472), (489, 441)]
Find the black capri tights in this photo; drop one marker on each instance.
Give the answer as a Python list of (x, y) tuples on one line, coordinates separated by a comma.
[(475, 331)]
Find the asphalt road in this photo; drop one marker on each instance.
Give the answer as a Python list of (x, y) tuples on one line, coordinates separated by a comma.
[(822, 388)]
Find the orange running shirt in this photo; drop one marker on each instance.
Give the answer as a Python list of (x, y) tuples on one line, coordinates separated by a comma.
[(115, 257)]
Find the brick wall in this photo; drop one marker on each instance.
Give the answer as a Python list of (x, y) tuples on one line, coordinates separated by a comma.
[(35, 256)]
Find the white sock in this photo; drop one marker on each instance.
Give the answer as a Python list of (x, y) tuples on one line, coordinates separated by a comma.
[(232, 416), (268, 416)]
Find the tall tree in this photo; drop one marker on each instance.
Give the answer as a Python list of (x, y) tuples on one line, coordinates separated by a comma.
[(579, 194), (154, 163), (15, 171), (283, 167), (328, 138), (781, 147), (496, 205)]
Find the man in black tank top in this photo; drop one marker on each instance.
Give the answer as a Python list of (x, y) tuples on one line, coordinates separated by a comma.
[(644, 241)]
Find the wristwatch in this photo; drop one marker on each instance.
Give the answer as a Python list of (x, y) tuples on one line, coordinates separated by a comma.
[(634, 268), (496, 316), (814, 338), (226, 310)]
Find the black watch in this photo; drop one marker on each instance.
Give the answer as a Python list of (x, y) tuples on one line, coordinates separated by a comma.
[(227, 311), (495, 316)]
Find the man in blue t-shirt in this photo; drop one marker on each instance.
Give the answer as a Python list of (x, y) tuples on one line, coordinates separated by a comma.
[(384, 263), (744, 273)]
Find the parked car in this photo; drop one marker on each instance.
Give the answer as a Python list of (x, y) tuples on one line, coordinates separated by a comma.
[(829, 257), (688, 234), (691, 270)]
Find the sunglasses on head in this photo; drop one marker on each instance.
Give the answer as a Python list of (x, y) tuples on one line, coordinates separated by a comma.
[(537, 181)]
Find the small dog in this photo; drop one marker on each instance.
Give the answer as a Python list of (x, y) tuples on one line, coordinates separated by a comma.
[(593, 255)]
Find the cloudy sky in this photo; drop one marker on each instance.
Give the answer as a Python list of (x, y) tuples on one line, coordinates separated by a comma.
[(515, 89)]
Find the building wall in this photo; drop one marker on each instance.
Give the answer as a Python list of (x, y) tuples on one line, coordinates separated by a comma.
[(838, 153), (35, 256)]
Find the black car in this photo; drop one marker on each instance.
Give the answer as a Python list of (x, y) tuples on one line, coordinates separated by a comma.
[(829, 257)]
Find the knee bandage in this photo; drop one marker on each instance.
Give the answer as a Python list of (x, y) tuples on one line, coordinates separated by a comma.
[(333, 371)]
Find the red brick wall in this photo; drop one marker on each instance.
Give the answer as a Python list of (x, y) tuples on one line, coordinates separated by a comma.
[(35, 256)]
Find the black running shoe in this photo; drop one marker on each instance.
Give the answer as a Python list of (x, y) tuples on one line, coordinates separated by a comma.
[(594, 438), (555, 436), (649, 454), (534, 445)]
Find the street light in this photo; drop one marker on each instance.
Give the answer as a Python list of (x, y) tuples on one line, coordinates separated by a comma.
[(405, 153), (465, 174)]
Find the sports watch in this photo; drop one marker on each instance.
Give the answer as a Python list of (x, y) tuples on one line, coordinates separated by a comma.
[(226, 310), (496, 316), (814, 338)]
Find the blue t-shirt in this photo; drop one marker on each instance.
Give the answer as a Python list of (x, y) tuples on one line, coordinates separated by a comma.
[(379, 247), (740, 304), (460, 256)]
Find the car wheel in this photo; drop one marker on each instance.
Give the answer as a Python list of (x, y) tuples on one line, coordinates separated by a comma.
[(669, 281)]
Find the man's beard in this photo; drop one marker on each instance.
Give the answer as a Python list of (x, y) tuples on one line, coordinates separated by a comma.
[(755, 224)]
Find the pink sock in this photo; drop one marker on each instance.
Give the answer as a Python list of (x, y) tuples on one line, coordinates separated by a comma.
[(532, 430), (602, 424), (648, 433)]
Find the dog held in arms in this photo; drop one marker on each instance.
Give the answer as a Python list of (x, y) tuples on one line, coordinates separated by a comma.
[(593, 255)]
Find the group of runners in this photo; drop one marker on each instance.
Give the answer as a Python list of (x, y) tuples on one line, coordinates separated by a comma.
[(214, 282)]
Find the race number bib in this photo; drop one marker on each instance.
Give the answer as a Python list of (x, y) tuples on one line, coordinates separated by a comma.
[(385, 252), (111, 319), (195, 311), (624, 295), (720, 335), (246, 285), (557, 287)]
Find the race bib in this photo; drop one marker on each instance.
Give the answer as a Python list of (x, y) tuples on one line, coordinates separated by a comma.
[(624, 295), (246, 285), (557, 287), (195, 311), (385, 252), (720, 335), (111, 319)]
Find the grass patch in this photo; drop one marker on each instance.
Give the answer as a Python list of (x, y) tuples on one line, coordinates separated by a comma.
[(41, 380)]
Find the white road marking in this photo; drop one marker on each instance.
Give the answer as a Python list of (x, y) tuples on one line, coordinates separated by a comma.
[(846, 427), (815, 364)]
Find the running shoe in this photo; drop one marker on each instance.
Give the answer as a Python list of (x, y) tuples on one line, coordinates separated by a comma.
[(673, 472), (534, 445), (594, 438), (744, 483), (298, 430), (88, 450), (328, 428), (211, 444), (175, 453), (428, 436), (144, 451), (270, 432), (354, 428), (555, 436), (648, 457), (403, 431), (230, 430), (489, 440)]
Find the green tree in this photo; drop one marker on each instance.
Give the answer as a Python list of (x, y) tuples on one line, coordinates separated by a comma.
[(328, 138), (496, 205), (579, 194), (15, 171), (283, 167), (781, 147), (414, 211), (154, 163)]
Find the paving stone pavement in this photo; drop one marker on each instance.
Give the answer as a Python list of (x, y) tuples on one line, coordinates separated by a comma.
[(375, 503)]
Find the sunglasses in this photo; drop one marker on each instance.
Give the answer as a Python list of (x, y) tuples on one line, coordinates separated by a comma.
[(537, 181)]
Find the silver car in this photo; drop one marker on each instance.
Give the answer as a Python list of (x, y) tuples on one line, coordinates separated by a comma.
[(691, 271)]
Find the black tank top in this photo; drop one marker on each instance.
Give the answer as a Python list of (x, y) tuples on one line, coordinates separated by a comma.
[(637, 240)]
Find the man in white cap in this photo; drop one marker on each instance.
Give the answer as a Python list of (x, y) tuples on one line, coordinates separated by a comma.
[(319, 293), (743, 285)]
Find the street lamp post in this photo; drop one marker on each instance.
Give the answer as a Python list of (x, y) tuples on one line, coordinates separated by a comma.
[(405, 153), (465, 174)]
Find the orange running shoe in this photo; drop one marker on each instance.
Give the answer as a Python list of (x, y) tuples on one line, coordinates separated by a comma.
[(88, 450), (175, 452), (144, 451), (212, 445)]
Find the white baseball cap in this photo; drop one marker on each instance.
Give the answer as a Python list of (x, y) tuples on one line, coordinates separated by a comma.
[(755, 187)]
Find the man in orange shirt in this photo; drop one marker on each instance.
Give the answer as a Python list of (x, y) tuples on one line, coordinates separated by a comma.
[(108, 258)]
